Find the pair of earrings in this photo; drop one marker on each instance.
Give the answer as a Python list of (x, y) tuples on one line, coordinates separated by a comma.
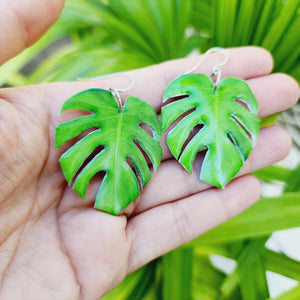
[(228, 133)]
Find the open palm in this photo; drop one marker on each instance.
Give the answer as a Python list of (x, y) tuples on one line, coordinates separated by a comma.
[(54, 245)]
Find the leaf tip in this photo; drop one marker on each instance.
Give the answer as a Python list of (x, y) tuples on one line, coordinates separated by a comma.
[(217, 182), (187, 167), (110, 208), (165, 98), (58, 137), (63, 108), (65, 170), (57, 142), (79, 191)]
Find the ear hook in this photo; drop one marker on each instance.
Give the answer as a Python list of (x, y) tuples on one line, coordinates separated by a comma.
[(130, 86), (111, 75), (114, 91), (216, 70)]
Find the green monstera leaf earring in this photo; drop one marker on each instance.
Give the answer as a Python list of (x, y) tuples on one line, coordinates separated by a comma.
[(119, 132), (226, 112)]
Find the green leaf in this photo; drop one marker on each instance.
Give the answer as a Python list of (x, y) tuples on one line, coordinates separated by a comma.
[(224, 17), (271, 173), (177, 274), (205, 250), (207, 280), (145, 284), (293, 294), (269, 120), (281, 264), (247, 257), (253, 282), (135, 285), (293, 181), (264, 21), (264, 217), (250, 272), (225, 122), (155, 28), (290, 40), (117, 131), (275, 35)]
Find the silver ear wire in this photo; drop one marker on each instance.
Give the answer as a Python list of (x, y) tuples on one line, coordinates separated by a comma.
[(216, 70), (111, 75), (117, 97), (131, 84), (114, 91)]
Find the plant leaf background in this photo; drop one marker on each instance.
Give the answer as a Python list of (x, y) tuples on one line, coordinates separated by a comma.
[(94, 37)]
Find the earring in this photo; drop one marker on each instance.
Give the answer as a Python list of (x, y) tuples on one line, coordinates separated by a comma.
[(226, 111), (119, 133)]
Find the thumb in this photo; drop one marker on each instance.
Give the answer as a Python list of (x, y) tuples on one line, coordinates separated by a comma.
[(23, 22)]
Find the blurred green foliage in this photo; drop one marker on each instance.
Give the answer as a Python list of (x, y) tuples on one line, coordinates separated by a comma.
[(94, 37)]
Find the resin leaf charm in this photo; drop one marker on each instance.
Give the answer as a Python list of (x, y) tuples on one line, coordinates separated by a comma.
[(119, 132), (229, 130)]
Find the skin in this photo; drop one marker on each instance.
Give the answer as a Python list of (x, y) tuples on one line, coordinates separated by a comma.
[(53, 245)]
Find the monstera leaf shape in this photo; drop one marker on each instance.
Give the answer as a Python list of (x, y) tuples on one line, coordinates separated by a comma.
[(118, 131), (227, 126)]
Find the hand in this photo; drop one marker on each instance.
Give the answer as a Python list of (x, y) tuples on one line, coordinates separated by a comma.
[(54, 245)]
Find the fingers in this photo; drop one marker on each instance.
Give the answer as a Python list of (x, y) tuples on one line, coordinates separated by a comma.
[(274, 93), (168, 226), (96, 245), (150, 82), (172, 181), (22, 22)]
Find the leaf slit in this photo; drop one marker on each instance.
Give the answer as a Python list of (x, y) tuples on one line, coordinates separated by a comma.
[(75, 113), (147, 129), (175, 98), (145, 154), (232, 140), (245, 129), (177, 120), (243, 103), (131, 165), (191, 135), (88, 159), (93, 186)]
